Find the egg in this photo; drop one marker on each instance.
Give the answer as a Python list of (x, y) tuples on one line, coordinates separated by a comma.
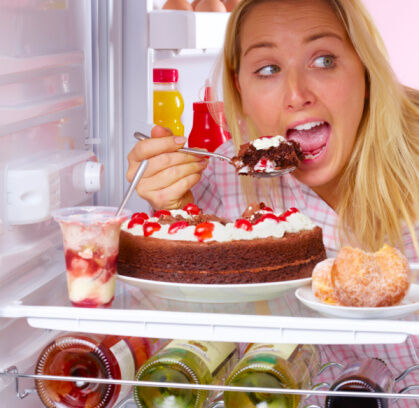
[(177, 5), (230, 4), (210, 5), (195, 3)]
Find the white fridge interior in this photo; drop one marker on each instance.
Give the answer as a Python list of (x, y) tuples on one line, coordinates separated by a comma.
[(75, 84)]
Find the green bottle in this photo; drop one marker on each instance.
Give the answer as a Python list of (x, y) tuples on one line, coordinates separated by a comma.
[(187, 362), (291, 366)]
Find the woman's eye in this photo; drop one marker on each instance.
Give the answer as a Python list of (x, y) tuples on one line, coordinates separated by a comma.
[(268, 70), (325, 61)]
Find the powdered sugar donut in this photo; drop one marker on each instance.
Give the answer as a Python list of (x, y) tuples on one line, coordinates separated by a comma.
[(370, 279), (321, 283)]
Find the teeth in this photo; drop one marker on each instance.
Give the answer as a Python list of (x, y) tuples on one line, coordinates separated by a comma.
[(308, 125)]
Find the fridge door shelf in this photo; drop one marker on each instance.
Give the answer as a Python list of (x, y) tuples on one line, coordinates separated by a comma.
[(174, 29), (136, 313)]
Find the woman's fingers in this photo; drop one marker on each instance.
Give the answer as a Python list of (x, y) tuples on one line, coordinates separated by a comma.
[(171, 175), (162, 162), (145, 149), (177, 195)]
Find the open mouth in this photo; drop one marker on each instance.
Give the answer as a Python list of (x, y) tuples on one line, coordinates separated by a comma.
[(312, 137)]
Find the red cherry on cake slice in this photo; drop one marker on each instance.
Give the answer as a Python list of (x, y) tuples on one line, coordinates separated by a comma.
[(159, 213), (176, 226), (204, 230), (150, 227), (192, 209), (243, 224), (267, 216)]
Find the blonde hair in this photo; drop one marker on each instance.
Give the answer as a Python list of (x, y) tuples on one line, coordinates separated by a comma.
[(379, 188)]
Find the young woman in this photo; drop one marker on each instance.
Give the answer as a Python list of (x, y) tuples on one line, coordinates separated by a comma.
[(314, 71)]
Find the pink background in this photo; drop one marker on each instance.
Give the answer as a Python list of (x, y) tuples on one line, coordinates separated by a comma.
[(397, 22)]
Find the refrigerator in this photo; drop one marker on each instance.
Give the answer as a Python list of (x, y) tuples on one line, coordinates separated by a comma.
[(75, 84)]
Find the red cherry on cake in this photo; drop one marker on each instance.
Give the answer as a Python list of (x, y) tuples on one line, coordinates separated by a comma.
[(243, 224), (290, 211), (204, 230), (159, 213), (267, 216), (150, 227), (192, 209), (137, 218), (142, 215), (176, 226)]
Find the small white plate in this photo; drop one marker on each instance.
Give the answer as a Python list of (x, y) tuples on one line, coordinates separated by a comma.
[(409, 304), (229, 293)]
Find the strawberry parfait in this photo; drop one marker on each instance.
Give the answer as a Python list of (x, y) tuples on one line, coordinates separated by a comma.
[(91, 241)]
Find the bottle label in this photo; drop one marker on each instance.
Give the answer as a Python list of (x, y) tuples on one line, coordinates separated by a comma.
[(283, 351), (211, 353), (126, 363)]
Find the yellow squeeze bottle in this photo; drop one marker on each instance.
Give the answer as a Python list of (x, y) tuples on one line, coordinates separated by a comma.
[(167, 100)]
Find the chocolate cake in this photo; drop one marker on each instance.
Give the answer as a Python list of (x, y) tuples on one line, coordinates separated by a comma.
[(267, 154), (188, 246)]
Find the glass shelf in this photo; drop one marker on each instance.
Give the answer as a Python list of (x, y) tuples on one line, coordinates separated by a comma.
[(138, 313)]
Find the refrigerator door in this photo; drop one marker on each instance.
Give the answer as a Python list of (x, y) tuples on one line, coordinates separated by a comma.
[(54, 95)]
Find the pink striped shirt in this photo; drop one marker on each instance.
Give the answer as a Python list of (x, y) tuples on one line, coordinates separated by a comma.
[(219, 192)]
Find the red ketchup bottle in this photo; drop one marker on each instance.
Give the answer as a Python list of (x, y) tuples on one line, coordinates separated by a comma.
[(208, 129)]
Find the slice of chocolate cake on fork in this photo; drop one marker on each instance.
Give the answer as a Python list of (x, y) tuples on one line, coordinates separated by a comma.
[(267, 154)]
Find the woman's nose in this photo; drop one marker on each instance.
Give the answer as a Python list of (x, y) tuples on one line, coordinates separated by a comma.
[(297, 93)]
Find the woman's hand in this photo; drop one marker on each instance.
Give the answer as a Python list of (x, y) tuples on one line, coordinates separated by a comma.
[(170, 175)]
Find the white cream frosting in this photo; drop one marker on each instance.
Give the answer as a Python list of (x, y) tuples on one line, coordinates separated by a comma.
[(268, 167), (264, 143), (222, 233)]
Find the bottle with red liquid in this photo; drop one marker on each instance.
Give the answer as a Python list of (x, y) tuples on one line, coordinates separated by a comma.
[(370, 375), (208, 129), (93, 356)]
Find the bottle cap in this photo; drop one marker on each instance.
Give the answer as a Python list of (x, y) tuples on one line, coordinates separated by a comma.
[(165, 75)]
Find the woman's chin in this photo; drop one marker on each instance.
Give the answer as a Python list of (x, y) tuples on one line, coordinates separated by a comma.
[(313, 178)]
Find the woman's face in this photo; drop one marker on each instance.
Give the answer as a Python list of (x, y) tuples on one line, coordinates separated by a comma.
[(301, 78)]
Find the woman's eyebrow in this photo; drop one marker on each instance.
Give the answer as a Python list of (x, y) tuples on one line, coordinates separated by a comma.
[(322, 34), (263, 44)]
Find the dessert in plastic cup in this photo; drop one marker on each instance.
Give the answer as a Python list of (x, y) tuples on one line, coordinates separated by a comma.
[(91, 243)]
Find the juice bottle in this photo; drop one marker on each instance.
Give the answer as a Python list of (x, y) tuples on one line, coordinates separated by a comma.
[(167, 100), (291, 366)]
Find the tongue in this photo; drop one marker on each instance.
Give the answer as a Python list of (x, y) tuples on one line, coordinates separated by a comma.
[(312, 139)]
